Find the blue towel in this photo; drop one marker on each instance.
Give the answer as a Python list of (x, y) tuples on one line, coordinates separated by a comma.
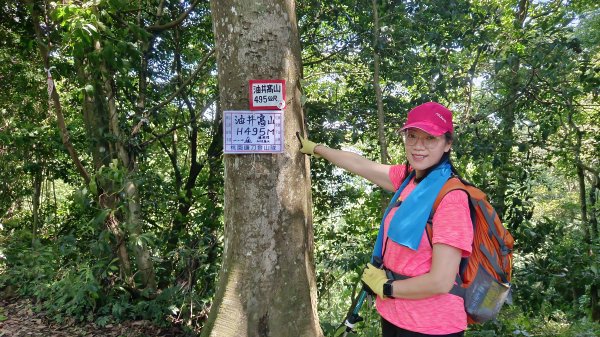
[(407, 224)]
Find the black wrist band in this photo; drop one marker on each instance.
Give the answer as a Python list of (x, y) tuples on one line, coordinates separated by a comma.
[(388, 289)]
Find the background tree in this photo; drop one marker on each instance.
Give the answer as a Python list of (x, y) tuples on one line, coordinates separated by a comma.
[(125, 79)]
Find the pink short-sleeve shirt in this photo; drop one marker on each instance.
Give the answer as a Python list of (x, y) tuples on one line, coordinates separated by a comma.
[(436, 315)]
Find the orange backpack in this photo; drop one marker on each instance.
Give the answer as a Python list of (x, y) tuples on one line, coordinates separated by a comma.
[(484, 277)]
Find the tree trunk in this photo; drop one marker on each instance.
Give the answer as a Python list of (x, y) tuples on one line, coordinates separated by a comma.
[(378, 95), (383, 154), (587, 224), (141, 250), (211, 226), (128, 160), (44, 49), (508, 115), (267, 281), (595, 303), (37, 196)]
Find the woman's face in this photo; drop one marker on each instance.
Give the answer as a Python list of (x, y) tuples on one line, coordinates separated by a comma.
[(424, 150)]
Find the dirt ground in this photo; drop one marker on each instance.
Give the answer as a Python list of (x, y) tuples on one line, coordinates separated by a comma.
[(18, 319)]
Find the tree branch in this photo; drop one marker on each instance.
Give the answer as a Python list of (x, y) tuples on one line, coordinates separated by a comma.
[(587, 168), (176, 22), (176, 127), (137, 128), (328, 57), (44, 52)]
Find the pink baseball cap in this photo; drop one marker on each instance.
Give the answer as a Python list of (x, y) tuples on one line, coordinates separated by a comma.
[(431, 117)]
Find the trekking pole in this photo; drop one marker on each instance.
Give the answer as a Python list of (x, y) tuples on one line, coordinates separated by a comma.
[(353, 317)]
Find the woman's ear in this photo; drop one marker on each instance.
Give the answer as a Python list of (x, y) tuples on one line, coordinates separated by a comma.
[(448, 146)]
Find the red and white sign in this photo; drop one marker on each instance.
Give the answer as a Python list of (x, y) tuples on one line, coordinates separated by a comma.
[(267, 94)]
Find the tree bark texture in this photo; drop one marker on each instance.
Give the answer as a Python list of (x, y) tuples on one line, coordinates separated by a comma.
[(267, 281)]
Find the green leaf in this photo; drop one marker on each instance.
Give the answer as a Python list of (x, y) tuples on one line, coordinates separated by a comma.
[(99, 219), (93, 187)]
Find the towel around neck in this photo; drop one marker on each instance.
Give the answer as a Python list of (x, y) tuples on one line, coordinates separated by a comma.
[(407, 225)]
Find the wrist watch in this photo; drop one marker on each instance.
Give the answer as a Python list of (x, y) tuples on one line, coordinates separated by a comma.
[(388, 288)]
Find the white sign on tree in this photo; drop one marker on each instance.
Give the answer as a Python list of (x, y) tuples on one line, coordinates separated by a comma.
[(253, 131)]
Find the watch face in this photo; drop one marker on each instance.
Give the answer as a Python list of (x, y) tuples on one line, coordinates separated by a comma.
[(387, 289)]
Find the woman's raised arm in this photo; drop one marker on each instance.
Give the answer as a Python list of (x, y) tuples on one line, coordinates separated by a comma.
[(375, 172)]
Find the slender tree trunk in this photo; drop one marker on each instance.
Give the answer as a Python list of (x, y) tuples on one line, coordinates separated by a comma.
[(588, 223), (267, 281), (54, 98), (383, 154), (378, 95), (141, 250), (185, 197), (108, 201), (97, 125), (37, 195), (586, 226), (583, 204), (594, 289), (593, 197), (211, 226), (214, 183), (508, 115)]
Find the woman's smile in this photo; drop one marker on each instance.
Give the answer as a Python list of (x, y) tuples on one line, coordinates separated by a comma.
[(418, 157), (424, 150)]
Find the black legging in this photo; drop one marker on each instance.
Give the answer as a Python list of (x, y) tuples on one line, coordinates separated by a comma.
[(390, 330)]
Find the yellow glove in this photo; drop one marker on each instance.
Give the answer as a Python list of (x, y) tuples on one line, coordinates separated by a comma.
[(374, 278), (308, 147)]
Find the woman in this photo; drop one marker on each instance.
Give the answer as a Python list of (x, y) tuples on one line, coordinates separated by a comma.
[(420, 305)]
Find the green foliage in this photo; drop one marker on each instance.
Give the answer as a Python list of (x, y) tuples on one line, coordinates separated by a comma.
[(75, 293), (69, 282), (522, 94), (25, 267), (514, 322), (510, 89)]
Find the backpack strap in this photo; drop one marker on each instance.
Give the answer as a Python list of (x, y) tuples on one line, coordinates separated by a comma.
[(453, 184), (456, 289), (490, 218), (492, 259)]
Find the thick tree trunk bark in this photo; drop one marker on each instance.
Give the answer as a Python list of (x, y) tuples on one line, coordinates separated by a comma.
[(267, 281)]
